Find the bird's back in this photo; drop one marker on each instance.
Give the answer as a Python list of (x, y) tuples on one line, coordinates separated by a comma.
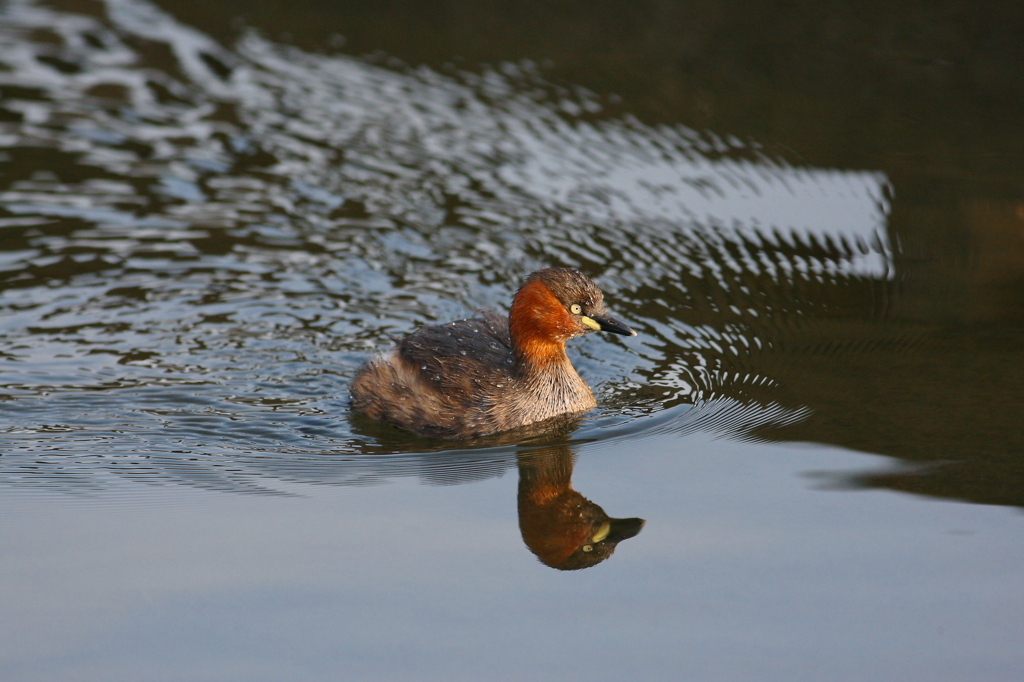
[(441, 380)]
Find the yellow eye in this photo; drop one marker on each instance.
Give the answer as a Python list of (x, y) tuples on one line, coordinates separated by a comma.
[(575, 309), (588, 548)]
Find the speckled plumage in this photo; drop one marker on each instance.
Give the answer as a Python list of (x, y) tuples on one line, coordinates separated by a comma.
[(488, 374)]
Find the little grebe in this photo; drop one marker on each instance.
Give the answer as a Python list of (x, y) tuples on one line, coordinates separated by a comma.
[(489, 374)]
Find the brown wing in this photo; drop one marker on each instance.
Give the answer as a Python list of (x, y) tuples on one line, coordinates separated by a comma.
[(461, 358)]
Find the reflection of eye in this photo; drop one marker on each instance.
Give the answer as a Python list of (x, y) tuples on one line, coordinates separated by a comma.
[(588, 548), (575, 309)]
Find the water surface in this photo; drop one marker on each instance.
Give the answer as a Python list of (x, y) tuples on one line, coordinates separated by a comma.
[(207, 225)]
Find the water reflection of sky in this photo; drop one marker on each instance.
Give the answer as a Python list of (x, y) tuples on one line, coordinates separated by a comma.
[(743, 572)]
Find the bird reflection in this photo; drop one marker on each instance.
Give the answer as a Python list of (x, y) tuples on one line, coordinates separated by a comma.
[(564, 529), (561, 527)]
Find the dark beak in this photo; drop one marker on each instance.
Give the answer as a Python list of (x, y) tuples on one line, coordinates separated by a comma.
[(623, 529), (610, 324)]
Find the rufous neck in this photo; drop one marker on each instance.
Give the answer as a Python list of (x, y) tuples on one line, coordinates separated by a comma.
[(534, 352), (539, 326)]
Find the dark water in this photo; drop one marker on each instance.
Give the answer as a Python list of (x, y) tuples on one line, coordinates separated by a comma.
[(212, 213)]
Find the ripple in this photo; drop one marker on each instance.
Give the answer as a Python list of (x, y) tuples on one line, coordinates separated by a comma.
[(202, 242)]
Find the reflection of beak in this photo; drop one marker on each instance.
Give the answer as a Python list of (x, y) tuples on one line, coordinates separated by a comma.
[(619, 529), (604, 323), (602, 532)]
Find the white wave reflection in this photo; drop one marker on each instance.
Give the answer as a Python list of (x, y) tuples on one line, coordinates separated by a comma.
[(502, 143), (257, 200), (614, 172)]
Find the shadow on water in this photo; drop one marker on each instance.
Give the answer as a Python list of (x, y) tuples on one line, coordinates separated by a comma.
[(202, 240)]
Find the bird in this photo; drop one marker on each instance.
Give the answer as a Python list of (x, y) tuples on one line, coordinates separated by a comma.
[(490, 373)]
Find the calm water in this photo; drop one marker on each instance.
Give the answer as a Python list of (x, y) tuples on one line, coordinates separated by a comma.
[(212, 213)]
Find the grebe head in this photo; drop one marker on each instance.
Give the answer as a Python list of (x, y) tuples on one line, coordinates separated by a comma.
[(555, 305)]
